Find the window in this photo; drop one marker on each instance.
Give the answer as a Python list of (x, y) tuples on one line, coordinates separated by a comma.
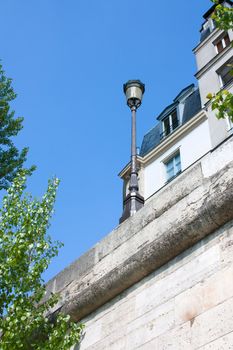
[(170, 123), (205, 25), (230, 124), (225, 73), (213, 24), (173, 166), (221, 43)]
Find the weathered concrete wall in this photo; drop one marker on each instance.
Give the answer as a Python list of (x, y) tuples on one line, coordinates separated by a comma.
[(164, 278)]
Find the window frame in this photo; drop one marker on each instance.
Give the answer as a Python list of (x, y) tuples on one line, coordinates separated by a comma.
[(172, 127), (176, 170), (220, 75), (230, 124), (222, 39)]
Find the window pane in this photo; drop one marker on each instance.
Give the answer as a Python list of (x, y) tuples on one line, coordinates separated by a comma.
[(219, 46), (173, 166), (170, 164), (230, 123), (170, 173), (226, 39), (170, 169), (174, 120), (225, 72), (177, 163), (166, 126), (227, 78)]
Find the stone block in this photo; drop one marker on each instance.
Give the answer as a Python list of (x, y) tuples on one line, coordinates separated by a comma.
[(150, 325), (212, 324), (178, 338), (223, 343), (204, 296), (199, 268)]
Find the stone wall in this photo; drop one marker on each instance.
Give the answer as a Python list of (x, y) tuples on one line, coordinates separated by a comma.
[(164, 278), (186, 304)]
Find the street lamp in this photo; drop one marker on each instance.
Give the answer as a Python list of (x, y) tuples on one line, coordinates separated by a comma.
[(134, 90)]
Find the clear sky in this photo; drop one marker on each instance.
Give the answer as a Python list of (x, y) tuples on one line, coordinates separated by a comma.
[(68, 60)]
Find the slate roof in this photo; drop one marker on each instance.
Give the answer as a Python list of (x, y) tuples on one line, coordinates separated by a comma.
[(184, 90), (166, 110), (150, 140), (191, 108)]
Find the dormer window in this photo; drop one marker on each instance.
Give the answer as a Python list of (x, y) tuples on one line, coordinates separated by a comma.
[(222, 42), (170, 123)]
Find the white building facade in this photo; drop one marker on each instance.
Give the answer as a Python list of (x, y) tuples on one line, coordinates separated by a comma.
[(188, 128)]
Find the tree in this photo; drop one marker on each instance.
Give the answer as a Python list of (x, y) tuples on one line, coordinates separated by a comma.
[(25, 253), (223, 16), (222, 102), (11, 159)]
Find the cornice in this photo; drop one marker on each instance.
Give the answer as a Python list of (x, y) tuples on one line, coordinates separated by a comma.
[(126, 169), (209, 38)]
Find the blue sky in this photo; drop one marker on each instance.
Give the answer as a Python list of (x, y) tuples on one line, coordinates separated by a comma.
[(68, 60)]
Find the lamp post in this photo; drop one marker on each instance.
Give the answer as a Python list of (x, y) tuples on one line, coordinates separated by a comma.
[(134, 90)]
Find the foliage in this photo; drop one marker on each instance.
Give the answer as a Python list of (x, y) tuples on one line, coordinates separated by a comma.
[(223, 100), (25, 253), (11, 160), (223, 16)]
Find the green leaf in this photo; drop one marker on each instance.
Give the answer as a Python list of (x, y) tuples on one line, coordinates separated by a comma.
[(26, 250)]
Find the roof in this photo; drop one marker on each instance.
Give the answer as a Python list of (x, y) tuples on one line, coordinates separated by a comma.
[(183, 91), (176, 100), (150, 140), (167, 110), (192, 106)]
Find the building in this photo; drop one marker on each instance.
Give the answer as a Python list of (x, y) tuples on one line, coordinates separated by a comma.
[(163, 279), (187, 128)]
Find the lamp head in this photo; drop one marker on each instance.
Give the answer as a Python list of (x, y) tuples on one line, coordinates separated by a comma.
[(134, 90)]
